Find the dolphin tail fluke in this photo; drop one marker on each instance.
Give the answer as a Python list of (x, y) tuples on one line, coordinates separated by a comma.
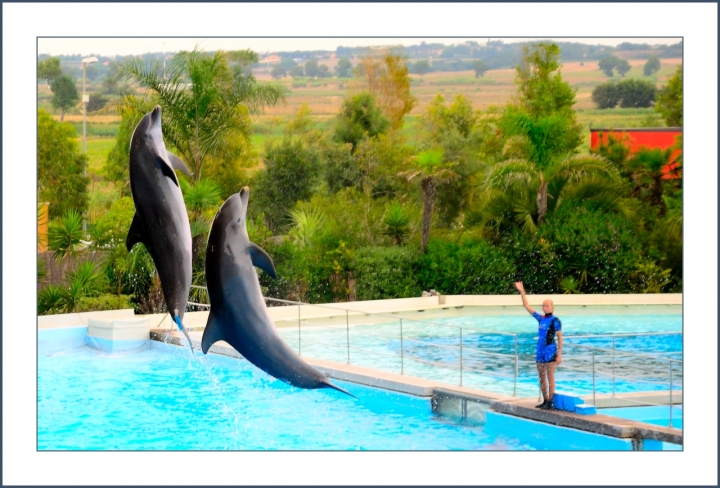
[(212, 333), (335, 387), (187, 336)]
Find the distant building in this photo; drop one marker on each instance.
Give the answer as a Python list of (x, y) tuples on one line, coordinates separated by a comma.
[(273, 58), (647, 137)]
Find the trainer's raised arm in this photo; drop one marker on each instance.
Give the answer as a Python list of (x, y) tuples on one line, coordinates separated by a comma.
[(521, 289)]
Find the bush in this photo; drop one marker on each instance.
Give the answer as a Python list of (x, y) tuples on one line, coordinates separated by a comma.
[(105, 301), (606, 95), (598, 248), (385, 272), (472, 267), (630, 93), (637, 93)]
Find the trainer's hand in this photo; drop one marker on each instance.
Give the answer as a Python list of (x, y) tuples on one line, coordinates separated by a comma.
[(519, 286), (559, 359)]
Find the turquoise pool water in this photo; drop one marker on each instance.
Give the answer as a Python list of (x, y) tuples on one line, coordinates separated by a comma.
[(430, 348), (656, 415), (163, 398)]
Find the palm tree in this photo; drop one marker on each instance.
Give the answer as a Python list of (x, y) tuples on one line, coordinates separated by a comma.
[(430, 168), (549, 176), (647, 167), (206, 104), (65, 236)]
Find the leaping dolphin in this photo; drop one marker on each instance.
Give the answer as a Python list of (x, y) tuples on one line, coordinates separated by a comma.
[(161, 220), (238, 314)]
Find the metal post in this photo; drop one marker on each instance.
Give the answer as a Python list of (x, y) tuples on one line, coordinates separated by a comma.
[(613, 366), (84, 222), (516, 366), (347, 328), (402, 354), (671, 392), (461, 358), (299, 346), (593, 371)]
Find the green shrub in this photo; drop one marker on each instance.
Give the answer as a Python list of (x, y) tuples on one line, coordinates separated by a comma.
[(598, 248), (385, 272), (106, 301), (471, 267)]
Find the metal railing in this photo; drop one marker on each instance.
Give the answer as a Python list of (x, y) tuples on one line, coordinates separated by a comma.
[(467, 357)]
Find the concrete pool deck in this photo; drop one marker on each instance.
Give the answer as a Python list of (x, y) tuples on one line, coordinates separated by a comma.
[(362, 312)]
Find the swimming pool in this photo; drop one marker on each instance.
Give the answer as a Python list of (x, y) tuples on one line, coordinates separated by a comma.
[(162, 398), (427, 345)]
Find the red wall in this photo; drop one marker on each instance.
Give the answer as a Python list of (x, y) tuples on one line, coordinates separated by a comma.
[(637, 138)]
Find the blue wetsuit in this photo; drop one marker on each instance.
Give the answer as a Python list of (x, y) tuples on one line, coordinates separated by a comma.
[(546, 347)]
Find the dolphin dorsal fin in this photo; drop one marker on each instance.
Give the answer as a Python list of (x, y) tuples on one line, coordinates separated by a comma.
[(178, 164), (135, 234), (261, 259), (212, 333)]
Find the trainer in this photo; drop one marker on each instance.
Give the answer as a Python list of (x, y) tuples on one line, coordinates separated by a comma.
[(548, 353)]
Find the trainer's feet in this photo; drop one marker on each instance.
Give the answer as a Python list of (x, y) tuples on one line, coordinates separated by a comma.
[(541, 405), (546, 406)]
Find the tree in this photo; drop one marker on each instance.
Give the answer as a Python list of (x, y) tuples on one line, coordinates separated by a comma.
[(206, 104), (636, 93), (278, 72), (647, 167), (479, 67), (606, 95), (607, 64), (652, 66), (541, 136), (96, 102), (429, 167), (454, 129), (48, 69), (541, 89), (386, 77), (670, 100), (323, 71), (622, 66), (422, 67), (60, 167), (65, 94), (312, 68), (297, 71), (117, 163), (359, 118), (539, 153), (290, 174), (344, 68)]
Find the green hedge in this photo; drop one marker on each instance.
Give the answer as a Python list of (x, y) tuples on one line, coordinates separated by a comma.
[(385, 272), (471, 267)]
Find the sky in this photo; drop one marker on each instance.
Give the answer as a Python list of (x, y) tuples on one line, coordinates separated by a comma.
[(106, 46)]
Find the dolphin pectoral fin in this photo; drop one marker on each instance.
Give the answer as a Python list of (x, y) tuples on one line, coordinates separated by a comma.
[(135, 234), (167, 170), (212, 333), (178, 164), (262, 260)]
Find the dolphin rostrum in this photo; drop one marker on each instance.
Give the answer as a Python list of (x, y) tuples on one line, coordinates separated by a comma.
[(161, 220), (238, 314)]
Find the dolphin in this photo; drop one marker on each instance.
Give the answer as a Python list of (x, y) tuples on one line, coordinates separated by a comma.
[(238, 314), (161, 220)]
